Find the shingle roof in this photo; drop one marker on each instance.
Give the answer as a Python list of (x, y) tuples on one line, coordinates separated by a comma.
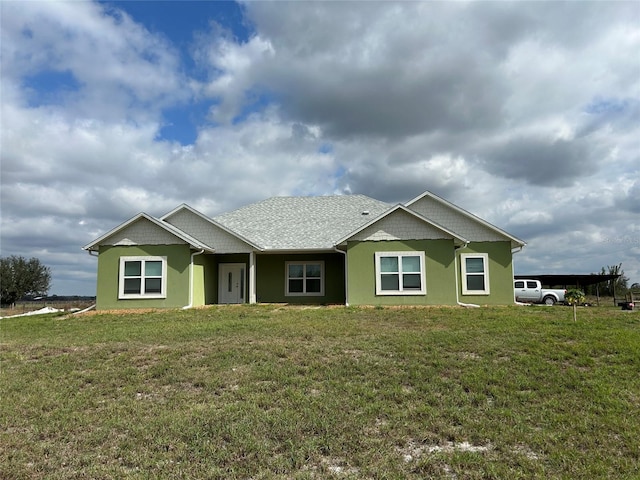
[(291, 223)]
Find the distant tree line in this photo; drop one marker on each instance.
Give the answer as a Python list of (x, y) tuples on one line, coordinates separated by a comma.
[(20, 277)]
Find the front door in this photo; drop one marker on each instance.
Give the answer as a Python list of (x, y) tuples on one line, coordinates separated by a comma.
[(231, 283)]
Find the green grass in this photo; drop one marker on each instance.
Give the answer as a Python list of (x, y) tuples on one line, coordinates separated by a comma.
[(275, 392)]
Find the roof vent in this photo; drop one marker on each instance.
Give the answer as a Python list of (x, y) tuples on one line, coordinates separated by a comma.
[(365, 212)]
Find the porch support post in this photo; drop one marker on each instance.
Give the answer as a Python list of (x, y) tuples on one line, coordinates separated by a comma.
[(252, 277)]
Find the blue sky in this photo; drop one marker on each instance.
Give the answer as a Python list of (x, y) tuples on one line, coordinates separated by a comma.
[(527, 114)]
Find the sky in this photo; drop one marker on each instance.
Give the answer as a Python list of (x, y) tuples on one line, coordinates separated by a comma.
[(525, 114)]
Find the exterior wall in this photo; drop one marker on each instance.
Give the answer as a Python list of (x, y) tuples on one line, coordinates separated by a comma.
[(178, 260), (500, 273), (198, 280), (271, 278), (440, 275)]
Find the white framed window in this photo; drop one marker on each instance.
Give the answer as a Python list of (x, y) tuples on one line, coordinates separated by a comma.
[(304, 279), (475, 273), (400, 273), (142, 277)]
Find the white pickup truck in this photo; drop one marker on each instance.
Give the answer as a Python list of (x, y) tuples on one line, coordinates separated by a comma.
[(531, 291)]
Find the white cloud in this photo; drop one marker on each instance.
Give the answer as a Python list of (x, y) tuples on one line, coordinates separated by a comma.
[(116, 63), (529, 217), (232, 71)]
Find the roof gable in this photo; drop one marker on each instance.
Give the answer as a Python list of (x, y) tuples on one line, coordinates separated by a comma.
[(400, 223), (145, 230), (459, 220)]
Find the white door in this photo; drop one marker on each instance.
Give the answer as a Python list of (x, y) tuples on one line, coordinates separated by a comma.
[(231, 283)]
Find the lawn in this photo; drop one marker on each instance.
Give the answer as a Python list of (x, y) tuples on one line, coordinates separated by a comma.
[(267, 392)]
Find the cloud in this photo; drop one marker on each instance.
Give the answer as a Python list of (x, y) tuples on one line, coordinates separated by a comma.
[(456, 75), (368, 77), (115, 64), (541, 161)]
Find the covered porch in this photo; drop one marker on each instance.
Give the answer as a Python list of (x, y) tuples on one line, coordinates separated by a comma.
[(258, 277)]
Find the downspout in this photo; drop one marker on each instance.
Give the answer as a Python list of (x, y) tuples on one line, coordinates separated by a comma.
[(92, 307), (346, 276), (186, 307), (455, 261)]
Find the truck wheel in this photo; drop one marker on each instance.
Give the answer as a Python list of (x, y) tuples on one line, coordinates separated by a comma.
[(549, 300)]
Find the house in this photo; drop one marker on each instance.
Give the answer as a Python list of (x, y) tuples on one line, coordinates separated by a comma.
[(341, 249)]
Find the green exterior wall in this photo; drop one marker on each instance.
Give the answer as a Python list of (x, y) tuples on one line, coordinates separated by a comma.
[(199, 266), (500, 273), (440, 275), (178, 260), (271, 278), (439, 272)]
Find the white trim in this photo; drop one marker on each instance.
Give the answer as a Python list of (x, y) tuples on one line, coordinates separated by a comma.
[(304, 293), (143, 259), (485, 273), (401, 290)]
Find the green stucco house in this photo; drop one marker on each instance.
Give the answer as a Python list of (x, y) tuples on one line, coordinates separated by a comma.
[(341, 249)]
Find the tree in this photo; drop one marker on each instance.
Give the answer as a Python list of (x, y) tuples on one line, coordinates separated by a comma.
[(609, 287), (20, 277)]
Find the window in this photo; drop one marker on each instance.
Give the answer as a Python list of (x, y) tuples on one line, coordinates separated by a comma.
[(142, 277), (305, 278), (400, 273), (475, 273)]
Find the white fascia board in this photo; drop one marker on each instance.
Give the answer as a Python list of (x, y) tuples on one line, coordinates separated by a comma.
[(517, 241), (393, 209), (184, 206)]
